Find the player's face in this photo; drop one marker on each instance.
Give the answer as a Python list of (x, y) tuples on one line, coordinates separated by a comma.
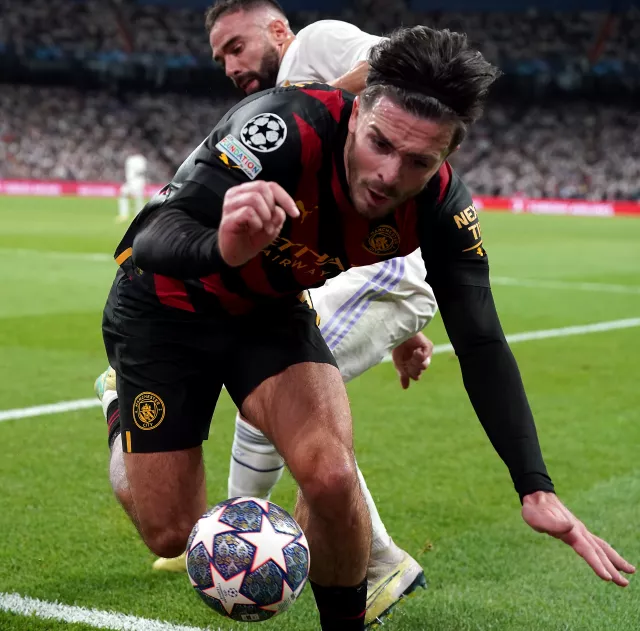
[(244, 47), (391, 155)]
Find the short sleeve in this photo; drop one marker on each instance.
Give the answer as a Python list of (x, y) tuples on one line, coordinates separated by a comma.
[(331, 48)]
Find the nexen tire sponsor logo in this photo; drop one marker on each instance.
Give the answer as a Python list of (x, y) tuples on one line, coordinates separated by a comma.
[(244, 159)]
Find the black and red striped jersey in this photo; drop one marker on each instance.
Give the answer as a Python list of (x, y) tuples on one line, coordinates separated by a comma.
[(296, 136)]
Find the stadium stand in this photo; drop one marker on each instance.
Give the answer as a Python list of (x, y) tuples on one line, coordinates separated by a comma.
[(558, 144)]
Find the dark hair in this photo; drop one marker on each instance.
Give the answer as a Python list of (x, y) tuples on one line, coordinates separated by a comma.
[(221, 7), (432, 74)]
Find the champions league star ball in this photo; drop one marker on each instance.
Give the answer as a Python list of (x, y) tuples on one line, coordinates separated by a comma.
[(248, 559)]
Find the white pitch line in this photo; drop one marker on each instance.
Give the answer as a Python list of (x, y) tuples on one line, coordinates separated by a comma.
[(68, 256), (52, 408), (25, 606), (514, 338), (545, 334), (560, 284)]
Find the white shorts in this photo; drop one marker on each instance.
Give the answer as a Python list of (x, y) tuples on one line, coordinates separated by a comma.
[(367, 311), (133, 188)]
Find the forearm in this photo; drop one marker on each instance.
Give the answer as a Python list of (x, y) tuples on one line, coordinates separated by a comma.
[(493, 383), (174, 244), (353, 81)]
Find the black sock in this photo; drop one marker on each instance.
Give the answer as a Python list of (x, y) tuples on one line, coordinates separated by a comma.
[(341, 608), (113, 422)]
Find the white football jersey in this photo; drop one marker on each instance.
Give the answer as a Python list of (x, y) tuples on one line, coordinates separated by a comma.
[(135, 167), (324, 51)]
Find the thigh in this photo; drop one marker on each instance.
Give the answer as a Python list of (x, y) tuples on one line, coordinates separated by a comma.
[(304, 411), (265, 345)]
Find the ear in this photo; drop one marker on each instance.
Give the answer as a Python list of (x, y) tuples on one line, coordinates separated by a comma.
[(450, 152), (353, 119), (279, 30)]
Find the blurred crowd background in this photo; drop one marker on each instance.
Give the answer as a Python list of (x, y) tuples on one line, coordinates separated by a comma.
[(85, 83)]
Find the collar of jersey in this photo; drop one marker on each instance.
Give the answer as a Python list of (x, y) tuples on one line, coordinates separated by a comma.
[(286, 62)]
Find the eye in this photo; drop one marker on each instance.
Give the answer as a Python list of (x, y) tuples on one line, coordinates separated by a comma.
[(236, 50), (380, 144), (420, 164)]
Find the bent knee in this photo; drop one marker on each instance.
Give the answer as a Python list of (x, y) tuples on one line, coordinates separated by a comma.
[(329, 482), (423, 306)]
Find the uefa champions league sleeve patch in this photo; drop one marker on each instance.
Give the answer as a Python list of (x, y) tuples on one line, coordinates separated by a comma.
[(264, 133), (231, 148)]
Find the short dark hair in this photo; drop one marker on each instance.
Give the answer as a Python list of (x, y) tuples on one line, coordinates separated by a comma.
[(222, 7), (431, 73)]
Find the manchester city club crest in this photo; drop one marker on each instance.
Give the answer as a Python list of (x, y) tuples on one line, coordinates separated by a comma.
[(148, 410), (382, 241), (264, 133)]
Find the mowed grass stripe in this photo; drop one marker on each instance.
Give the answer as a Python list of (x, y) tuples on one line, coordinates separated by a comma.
[(440, 483), (598, 327), (534, 283), (549, 586)]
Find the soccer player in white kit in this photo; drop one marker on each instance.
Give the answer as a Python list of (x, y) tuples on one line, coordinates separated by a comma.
[(366, 312), (135, 171)]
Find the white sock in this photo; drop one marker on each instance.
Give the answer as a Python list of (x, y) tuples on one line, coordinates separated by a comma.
[(139, 199), (109, 396), (255, 466), (123, 207), (380, 539)]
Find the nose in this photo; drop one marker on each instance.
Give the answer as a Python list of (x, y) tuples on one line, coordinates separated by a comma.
[(232, 68), (389, 171)]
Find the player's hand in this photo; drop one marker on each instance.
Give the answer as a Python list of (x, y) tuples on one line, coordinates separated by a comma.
[(412, 358), (544, 512), (252, 216), (355, 80)]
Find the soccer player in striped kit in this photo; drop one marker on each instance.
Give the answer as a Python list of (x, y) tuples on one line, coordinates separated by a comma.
[(365, 313)]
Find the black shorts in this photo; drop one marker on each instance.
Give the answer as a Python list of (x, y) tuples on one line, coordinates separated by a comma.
[(172, 364)]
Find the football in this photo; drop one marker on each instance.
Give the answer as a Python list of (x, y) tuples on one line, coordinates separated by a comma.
[(248, 559)]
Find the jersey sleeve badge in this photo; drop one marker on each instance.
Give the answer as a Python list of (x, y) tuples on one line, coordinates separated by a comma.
[(231, 148), (264, 133)]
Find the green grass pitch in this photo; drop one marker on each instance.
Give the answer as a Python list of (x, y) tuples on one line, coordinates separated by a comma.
[(441, 489)]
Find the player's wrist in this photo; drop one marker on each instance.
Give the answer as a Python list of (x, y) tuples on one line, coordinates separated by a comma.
[(221, 248), (537, 497), (533, 484)]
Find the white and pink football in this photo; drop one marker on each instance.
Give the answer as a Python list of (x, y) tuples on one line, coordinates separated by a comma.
[(248, 559)]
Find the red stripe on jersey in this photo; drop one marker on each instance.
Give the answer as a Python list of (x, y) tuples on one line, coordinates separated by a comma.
[(304, 229), (255, 278), (332, 100), (407, 222), (233, 303), (172, 292), (344, 204), (355, 227), (445, 178)]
